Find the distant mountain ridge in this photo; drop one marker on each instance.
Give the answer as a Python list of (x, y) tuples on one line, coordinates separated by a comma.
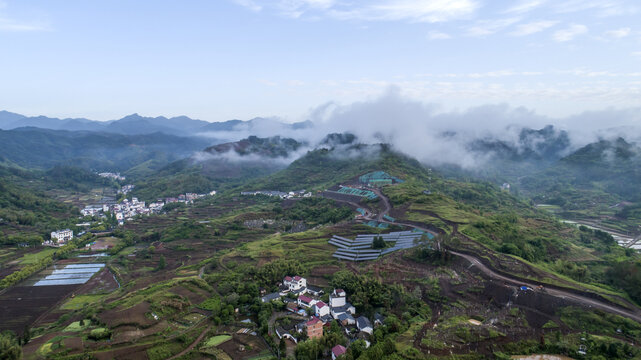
[(546, 144), (35, 148), (136, 124)]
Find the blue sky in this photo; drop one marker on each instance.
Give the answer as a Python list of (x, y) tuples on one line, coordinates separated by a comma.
[(223, 59)]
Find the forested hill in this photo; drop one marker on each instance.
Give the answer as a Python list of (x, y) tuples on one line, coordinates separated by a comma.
[(44, 149), (612, 166), (221, 165), (22, 208), (324, 167)]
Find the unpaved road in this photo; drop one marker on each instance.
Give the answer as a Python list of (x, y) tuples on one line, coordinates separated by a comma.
[(193, 345), (474, 261), (386, 203), (586, 301)]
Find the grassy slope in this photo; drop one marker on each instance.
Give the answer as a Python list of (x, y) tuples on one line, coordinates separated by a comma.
[(499, 221)]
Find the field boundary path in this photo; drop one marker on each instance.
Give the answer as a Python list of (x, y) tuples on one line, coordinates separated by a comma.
[(192, 345)]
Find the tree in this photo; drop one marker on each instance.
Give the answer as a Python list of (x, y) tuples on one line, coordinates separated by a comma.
[(379, 243), (356, 349), (308, 350), (161, 262), (282, 348), (26, 336), (9, 347)]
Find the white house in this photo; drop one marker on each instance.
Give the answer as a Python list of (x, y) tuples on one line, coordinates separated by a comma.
[(306, 301), (270, 297), (346, 319), (345, 309), (314, 290), (295, 283), (321, 309), (62, 236), (363, 324), (337, 298)]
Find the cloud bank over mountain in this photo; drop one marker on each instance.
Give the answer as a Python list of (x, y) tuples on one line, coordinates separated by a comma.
[(437, 137)]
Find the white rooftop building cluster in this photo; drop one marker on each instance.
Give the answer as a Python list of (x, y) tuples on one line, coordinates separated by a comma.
[(127, 209), (59, 238), (110, 175), (308, 297), (125, 189), (280, 194)]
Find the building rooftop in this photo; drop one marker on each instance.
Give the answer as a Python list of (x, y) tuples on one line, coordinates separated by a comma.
[(313, 321), (339, 350), (270, 297), (363, 322)]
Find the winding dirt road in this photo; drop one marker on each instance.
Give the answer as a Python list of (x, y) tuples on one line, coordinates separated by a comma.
[(487, 271), (193, 345)]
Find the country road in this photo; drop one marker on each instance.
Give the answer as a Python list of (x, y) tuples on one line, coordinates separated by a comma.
[(550, 291), (487, 271), (192, 345)]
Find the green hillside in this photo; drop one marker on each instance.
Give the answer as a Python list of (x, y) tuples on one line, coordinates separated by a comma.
[(219, 167), (598, 180), (26, 211), (34, 148)]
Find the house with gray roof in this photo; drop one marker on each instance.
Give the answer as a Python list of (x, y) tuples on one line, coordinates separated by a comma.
[(270, 297), (364, 325)]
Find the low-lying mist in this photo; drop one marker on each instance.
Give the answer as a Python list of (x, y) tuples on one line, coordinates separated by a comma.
[(436, 137)]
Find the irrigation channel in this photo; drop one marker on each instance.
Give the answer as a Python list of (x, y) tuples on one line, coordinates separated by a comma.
[(581, 297)]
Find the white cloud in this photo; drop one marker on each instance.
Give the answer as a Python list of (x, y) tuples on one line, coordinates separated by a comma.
[(637, 54), (489, 27), (249, 4), (533, 27), (418, 11), (618, 33), (525, 6), (600, 7), (570, 32), (371, 10), (437, 35), (296, 8), (10, 24)]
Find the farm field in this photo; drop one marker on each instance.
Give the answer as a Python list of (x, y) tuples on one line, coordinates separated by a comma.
[(187, 284)]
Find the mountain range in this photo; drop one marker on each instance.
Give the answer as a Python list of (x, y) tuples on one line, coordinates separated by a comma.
[(34, 148), (135, 124)]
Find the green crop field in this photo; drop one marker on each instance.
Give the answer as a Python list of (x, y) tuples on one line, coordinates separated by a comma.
[(217, 340)]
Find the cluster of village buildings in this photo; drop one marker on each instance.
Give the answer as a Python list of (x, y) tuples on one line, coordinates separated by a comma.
[(307, 299), (125, 189), (59, 238), (280, 194), (127, 209), (110, 175)]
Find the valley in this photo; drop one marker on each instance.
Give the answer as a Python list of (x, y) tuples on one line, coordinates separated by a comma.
[(478, 270), (320, 180)]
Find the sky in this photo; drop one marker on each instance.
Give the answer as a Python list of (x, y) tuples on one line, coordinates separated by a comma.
[(238, 59)]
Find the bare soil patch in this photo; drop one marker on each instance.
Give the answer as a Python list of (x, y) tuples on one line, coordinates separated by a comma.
[(20, 306), (133, 316), (243, 346)]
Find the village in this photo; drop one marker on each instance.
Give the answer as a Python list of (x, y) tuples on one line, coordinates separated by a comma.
[(122, 211), (128, 209), (309, 311), (110, 175), (280, 194)]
